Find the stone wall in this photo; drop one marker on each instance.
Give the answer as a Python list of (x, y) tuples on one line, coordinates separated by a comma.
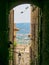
[(34, 33)]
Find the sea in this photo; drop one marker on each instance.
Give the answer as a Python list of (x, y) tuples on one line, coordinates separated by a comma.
[(22, 34)]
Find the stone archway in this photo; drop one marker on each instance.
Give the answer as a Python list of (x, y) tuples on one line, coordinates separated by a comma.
[(15, 5)]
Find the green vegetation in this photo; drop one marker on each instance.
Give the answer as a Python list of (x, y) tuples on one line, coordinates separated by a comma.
[(11, 51), (15, 43)]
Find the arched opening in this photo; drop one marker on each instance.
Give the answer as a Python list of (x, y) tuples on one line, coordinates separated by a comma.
[(33, 36), (22, 23)]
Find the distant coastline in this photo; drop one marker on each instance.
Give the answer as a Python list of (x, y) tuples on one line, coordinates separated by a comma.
[(22, 34), (24, 28)]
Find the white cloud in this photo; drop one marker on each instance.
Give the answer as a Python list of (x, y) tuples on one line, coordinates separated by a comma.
[(22, 13)]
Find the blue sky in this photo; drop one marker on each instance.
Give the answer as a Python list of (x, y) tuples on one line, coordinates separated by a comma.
[(22, 13)]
